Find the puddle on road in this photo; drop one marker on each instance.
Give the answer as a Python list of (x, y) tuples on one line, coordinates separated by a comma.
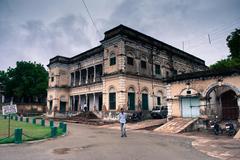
[(62, 151)]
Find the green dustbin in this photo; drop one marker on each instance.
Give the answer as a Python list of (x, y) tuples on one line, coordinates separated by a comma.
[(51, 123), (53, 132), (33, 121), (61, 124), (42, 122), (18, 135)]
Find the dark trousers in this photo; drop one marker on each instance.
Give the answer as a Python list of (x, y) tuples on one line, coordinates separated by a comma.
[(123, 129)]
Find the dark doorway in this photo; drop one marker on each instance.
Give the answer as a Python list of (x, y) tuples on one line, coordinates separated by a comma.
[(131, 101), (76, 103), (145, 101), (112, 101), (230, 108), (62, 107), (100, 102)]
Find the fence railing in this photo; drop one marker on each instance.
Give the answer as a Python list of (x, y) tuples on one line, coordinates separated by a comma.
[(21, 133)]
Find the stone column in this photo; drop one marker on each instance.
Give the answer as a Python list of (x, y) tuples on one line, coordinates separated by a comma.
[(87, 101), (73, 104), (86, 75), (203, 108), (79, 103), (94, 101), (94, 74), (80, 76), (74, 78)]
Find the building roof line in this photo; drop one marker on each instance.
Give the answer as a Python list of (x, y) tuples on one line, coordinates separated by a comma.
[(122, 29)]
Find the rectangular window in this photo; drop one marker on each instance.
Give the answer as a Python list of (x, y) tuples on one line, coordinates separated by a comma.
[(112, 101), (158, 101), (143, 64), (157, 69), (112, 61), (130, 60), (52, 79)]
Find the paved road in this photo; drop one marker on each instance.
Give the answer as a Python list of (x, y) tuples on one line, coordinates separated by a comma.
[(91, 143)]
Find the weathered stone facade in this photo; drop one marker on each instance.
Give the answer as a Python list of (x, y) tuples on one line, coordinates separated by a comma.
[(216, 92), (127, 70)]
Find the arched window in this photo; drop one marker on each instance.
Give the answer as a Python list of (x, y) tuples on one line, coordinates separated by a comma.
[(112, 59), (145, 99), (112, 99), (131, 99)]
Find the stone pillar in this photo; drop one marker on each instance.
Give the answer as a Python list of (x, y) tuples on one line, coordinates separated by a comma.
[(94, 101), (86, 75), (94, 74), (73, 105), (87, 102), (79, 103), (169, 100), (203, 108), (74, 78), (80, 76)]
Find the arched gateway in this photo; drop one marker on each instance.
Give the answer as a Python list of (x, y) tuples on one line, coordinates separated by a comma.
[(222, 100)]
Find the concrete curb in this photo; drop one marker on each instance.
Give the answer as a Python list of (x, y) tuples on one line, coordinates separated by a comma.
[(34, 141)]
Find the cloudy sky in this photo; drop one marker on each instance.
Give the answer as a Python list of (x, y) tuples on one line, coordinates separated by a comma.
[(37, 30)]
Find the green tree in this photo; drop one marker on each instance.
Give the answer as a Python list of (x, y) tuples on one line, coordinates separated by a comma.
[(233, 43), (233, 60), (26, 81), (226, 63)]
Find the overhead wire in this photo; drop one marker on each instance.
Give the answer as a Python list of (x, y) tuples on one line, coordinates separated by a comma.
[(217, 29), (214, 37), (89, 14), (210, 37)]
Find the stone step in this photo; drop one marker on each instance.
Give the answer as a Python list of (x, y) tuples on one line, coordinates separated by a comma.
[(176, 125)]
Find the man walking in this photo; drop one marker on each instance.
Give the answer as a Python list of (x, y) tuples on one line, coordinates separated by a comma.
[(122, 120)]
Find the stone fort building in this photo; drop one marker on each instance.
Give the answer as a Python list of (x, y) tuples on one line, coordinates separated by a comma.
[(134, 71)]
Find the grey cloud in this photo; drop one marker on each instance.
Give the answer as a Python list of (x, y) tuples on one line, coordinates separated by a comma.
[(39, 30), (38, 41), (174, 21)]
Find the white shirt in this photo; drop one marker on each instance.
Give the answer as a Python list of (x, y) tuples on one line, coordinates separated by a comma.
[(122, 117)]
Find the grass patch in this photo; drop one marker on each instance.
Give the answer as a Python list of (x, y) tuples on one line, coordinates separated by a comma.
[(30, 131)]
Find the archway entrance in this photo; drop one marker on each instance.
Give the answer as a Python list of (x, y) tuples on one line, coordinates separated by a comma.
[(230, 108), (222, 101)]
